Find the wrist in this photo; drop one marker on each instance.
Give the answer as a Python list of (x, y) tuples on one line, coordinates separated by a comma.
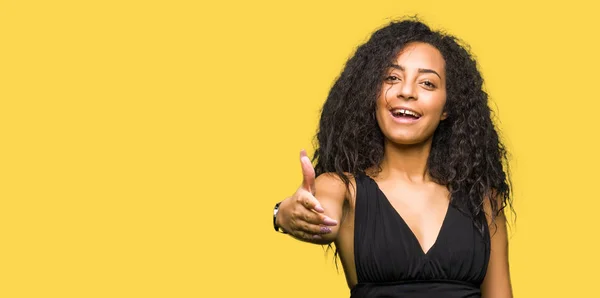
[(277, 219)]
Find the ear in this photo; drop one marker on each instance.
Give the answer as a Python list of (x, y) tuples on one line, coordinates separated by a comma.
[(444, 116)]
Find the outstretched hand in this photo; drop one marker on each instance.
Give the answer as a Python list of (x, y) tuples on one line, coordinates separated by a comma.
[(301, 215)]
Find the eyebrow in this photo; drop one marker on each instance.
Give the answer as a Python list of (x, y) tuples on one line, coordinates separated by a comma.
[(421, 70)]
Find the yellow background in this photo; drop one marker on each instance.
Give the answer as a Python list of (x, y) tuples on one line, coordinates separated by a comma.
[(143, 144)]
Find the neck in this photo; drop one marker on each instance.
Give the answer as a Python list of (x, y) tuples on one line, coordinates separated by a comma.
[(406, 162)]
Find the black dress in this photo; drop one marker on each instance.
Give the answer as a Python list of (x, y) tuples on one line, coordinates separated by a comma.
[(391, 263)]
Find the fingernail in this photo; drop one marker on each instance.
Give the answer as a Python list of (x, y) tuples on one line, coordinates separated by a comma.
[(319, 208), (325, 230), (330, 222), (316, 237)]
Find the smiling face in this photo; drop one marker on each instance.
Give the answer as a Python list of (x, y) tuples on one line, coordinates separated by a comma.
[(413, 95)]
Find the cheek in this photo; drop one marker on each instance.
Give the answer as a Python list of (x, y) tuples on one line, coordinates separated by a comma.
[(379, 115), (384, 122), (381, 108), (436, 104)]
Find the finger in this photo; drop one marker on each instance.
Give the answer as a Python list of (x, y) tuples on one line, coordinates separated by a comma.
[(315, 218), (311, 203), (307, 236), (328, 221), (308, 172), (309, 216), (315, 229)]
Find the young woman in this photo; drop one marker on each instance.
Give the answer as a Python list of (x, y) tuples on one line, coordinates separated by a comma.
[(411, 176)]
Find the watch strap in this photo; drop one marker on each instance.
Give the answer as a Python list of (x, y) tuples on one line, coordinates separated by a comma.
[(275, 226)]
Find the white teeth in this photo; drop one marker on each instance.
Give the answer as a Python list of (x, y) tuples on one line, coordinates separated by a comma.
[(405, 112)]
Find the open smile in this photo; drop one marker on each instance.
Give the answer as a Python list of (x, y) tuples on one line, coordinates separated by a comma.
[(404, 115)]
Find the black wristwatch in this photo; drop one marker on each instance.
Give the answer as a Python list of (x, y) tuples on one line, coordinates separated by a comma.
[(277, 228)]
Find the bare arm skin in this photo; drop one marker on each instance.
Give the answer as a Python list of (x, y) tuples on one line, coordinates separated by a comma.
[(497, 280)]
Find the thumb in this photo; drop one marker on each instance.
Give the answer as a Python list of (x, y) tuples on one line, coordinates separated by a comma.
[(308, 173)]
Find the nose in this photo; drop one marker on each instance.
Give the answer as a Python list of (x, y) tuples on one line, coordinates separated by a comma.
[(406, 90)]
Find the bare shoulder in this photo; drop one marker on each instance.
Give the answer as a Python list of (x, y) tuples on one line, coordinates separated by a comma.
[(332, 185), (490, 199)]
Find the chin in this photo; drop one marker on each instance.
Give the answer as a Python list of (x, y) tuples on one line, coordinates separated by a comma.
[(407, 134), (407, 139)]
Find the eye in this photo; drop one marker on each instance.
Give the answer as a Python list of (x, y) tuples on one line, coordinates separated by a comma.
[(392, 78), (428, 84)]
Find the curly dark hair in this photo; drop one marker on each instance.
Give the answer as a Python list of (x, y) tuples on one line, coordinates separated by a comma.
[(467, 155)]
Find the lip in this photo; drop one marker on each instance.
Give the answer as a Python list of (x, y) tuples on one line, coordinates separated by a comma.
[(406, 108), (404, 120)]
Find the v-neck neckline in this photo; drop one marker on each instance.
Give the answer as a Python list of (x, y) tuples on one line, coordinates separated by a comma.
[(414, 237)]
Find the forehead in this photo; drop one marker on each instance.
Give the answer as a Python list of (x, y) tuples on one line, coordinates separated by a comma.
[(421, 55)]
